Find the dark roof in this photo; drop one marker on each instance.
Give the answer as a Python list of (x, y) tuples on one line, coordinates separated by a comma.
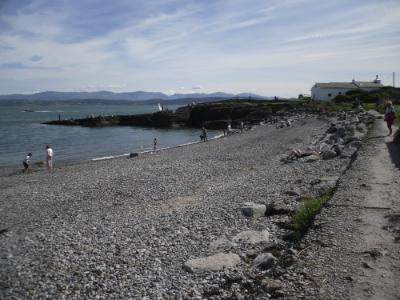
[(349, 85), (336, 85)]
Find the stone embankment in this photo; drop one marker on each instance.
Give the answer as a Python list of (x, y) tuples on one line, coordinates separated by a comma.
[(209, 221)]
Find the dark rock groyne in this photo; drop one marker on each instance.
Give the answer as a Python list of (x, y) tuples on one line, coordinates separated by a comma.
[(215, 115), (158, 119)]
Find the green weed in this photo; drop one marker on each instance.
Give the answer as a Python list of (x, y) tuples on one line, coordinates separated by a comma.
[(309, 209)]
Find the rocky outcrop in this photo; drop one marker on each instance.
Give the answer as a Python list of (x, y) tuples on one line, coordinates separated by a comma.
[(213, 115), (342, 139), (158, 119)]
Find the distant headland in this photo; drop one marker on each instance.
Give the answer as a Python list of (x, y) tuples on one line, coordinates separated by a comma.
[(124, 96)]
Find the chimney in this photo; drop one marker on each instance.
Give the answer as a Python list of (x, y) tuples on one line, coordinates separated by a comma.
[(377, 80)]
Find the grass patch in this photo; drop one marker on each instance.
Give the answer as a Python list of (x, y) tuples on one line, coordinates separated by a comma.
[(275, 252), (309, 209)]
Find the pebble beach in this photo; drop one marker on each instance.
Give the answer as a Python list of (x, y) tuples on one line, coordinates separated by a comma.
[(126, 227)]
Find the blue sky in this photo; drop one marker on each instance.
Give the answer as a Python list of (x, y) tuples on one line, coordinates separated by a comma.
[(180, 46)]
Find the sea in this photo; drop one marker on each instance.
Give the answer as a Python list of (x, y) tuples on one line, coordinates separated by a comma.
[(22, 131)]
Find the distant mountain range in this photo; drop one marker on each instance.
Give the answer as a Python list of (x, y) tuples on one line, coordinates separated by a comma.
[(127, 96)]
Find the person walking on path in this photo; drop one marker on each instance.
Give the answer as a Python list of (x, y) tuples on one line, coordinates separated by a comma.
[(389, 115), (26, 161), (49, 157), (155, 144)]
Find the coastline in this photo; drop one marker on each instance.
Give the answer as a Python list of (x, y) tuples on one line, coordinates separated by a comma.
[(16, 169), (151, 151)]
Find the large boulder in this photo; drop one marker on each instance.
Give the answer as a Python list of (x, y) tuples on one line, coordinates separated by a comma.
[(252, 237), (310, 158), (332, 128), (350, 129), (212, 263), (361, 127), (264, 261), (338, 149), (328, 154), (253, 210), (271, 285), (340, 131)]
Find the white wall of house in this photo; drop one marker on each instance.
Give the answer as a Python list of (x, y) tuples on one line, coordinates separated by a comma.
[(327, 94)]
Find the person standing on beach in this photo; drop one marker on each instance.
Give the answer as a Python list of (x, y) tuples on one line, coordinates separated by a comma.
[(26, 161), (49, 157), (204, 133), (155, 144), (229, 129), (389, 115)]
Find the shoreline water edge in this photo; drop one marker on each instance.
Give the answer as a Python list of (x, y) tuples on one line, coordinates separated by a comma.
[(16, 169)]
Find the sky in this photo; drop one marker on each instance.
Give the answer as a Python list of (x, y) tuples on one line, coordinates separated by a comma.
[(272, 48)]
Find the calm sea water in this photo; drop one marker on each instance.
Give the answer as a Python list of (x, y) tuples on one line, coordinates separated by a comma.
[(22, 132)]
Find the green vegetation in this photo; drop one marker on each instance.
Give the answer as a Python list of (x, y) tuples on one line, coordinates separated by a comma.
[(326, 105), (376, 97), (381, 108), (275, 252), (305, 103), (372, 100), (309, 209)]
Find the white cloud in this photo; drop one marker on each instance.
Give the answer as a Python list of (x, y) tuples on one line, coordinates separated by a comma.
[(227, 45)]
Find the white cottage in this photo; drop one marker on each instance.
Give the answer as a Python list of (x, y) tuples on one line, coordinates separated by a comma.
[(328, 91)]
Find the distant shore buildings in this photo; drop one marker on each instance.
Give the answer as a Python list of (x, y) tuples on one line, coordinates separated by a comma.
[(328, 91)]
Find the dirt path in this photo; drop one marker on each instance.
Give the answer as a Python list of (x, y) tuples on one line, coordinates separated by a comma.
[(353, 249), (380, 221)]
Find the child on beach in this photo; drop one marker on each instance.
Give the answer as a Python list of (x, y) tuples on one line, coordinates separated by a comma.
[(26, 161), (155, 144), (49, 157)]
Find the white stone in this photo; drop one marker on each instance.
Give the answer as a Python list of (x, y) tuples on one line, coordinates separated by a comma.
[(310, 158), (253, 210), (212, 263), (271, 284), (252, 237)]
